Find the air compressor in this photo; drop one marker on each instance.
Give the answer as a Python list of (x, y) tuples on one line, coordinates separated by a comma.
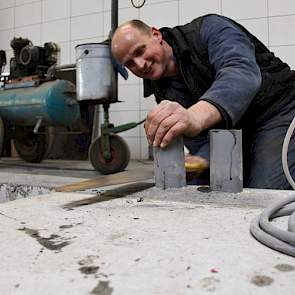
[(30, 101), (38, 93)]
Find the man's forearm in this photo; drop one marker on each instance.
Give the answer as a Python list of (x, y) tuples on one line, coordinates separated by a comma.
[(203, 115)]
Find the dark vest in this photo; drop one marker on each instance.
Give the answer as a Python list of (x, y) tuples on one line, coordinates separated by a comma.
[(278, 81)]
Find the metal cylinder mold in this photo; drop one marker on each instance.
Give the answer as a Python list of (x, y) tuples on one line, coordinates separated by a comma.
[(93, 71), (226, 161), (169, 165)]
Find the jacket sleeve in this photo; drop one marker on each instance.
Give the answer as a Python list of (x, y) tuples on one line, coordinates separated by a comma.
[(238, 76)]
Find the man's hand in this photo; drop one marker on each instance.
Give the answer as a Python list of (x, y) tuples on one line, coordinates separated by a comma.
[(169, 119)]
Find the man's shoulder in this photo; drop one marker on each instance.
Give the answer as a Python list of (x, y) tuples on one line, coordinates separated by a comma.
[(215, 24), (211, 20), (215, 20)]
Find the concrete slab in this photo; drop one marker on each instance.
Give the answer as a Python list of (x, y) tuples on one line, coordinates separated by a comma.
[(181, 241)]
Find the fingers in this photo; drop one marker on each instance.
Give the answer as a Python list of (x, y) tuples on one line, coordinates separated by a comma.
[(168, 130), (165, 122), (155, 118), (171, 134), (153, 128)]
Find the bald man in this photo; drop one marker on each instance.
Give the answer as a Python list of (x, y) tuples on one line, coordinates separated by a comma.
[(212, 73)]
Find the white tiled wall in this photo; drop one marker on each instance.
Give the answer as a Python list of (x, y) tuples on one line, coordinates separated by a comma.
[(70, 22)]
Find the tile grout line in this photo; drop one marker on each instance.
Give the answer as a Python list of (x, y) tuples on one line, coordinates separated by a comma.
[(70, 32), (41, 25), (268, 35)]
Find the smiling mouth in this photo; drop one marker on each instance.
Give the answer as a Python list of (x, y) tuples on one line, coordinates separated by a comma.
[(146, 71)]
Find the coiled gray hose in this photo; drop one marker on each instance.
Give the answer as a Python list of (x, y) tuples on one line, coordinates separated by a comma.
[(261, 227)]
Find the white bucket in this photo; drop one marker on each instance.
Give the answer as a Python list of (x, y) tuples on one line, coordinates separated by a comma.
[(93, 71)]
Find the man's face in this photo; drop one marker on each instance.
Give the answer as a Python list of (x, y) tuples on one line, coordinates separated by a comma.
[(141, 53)]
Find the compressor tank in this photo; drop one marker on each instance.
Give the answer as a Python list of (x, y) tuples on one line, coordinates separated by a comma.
[(53, 101)]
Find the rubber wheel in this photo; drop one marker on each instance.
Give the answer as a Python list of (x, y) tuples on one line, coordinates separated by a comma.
[(30, 147), (120, 155)]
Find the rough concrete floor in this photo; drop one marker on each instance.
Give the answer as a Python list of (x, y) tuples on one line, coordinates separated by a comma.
[(19, 179), (52, 173), (151, 242)]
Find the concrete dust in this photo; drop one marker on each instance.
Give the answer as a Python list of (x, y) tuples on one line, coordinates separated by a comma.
[(248, 198)]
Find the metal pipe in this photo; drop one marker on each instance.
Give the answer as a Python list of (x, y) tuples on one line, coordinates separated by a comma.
[(114, 16), (114, 75), (63, 67), (95, 126), (52, 70), (38, 124)]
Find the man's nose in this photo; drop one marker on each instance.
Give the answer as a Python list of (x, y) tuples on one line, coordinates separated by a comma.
[(139, 62)]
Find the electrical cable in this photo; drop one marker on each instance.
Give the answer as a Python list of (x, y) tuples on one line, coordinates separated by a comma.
[(261, 227), (285, 153)]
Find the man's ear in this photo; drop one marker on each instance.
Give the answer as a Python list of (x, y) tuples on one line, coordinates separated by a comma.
[(157, 34)]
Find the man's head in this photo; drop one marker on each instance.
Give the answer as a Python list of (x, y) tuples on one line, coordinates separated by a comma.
[(142, 50)]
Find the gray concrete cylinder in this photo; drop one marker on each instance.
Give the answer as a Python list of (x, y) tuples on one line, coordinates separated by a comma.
[(226, 160), (169, 165)]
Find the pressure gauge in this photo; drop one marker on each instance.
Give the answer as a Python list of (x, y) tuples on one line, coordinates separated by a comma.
[(138, 3)]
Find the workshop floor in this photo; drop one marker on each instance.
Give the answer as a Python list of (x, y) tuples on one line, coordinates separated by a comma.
[(57, 172), (180, 241)]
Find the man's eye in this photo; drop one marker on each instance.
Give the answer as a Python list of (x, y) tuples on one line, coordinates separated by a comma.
[(139, 51)]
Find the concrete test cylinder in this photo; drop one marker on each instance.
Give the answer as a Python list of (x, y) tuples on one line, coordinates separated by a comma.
[(93, 71), (226, 160), (169, 165)]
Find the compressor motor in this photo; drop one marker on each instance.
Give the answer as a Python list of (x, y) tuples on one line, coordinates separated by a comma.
[(31, 60)]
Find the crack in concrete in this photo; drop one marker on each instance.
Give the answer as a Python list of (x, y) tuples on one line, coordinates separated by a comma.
[(8, 216)]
